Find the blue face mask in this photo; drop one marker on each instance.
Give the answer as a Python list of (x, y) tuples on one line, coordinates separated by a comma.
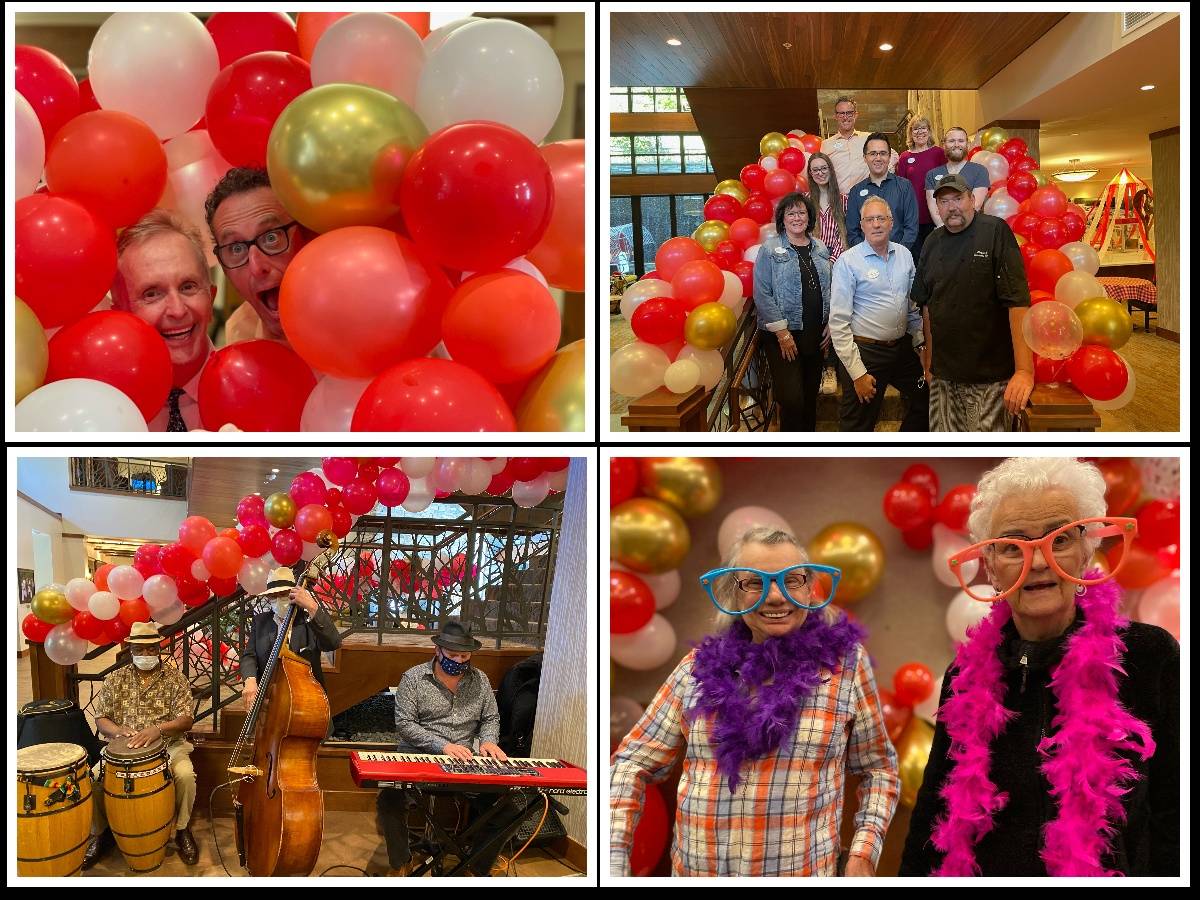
[(452, 668)]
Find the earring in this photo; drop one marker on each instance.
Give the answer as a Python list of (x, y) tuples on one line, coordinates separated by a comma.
[(1080, 588)]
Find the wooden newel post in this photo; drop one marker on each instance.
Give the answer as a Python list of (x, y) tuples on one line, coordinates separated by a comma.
[(48, 679), (1058, 407), (661, 410)]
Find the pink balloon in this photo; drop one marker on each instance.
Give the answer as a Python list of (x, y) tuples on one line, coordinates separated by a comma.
[(160, 591), (1160, 604), (126, 582), (741, 520), (341, 470), (306, 488), (649, 647), (392, 486)]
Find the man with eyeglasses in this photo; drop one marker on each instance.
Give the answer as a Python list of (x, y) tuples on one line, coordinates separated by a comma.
[(898, 192), (255, 240), (845, 147)]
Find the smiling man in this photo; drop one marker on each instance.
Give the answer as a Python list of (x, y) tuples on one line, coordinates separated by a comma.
[(163, 279), (255, 239)]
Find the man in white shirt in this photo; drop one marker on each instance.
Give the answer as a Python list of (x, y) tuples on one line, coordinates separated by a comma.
[(163, 279), (846, 147)]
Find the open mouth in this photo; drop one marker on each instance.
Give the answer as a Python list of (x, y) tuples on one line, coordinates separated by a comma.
[(1040, 587), (776, 615), (269, 298), (178, 335)]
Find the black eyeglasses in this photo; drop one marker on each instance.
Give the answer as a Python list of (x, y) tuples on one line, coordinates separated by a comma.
[(272, 242)]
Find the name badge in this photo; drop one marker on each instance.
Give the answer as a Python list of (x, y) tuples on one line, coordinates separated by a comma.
[(938, 177), (780, 252), (863, 192), (872, 274), (911, 160)]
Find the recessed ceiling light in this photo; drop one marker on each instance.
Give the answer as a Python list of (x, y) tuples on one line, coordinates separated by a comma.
[(276, 471), (885, 47), (1147, 87), (674, 42)]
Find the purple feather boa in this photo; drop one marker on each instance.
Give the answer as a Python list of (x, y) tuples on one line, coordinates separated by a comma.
[(1087, 775), (753, 692)]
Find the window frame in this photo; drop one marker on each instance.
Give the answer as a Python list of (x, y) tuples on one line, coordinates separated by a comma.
[(635, 207)]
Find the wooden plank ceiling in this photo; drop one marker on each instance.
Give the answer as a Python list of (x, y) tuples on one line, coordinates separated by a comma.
[(218, 483), (942, 50)]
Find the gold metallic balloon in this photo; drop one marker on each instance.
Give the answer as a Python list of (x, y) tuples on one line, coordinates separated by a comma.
[(691, 484), (1104, 321), (992, 138), (280, 510), (50, 605), (733, 188), (711, 233), (1039, 178), (772, 142), (709, 326), (648, 536), (1021, 240), (33, 354), (554, 400), (912, 750), (855, 550), (337, 153)]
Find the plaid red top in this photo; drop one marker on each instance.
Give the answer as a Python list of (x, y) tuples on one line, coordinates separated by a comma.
[(828, 231), (785, 815)]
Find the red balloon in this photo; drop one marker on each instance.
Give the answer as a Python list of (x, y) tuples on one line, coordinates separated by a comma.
[(744, 232), (359, 496), (1074, 225), (1098, 372), (45, 81), (247, 97), (673, 253), (1050, 233), (146, 559), (524, 468), (1048, 202), (311, 520), (192, 593), (1046, 371), (1013, 149), (556, 463), (476, 195), (697, 282), (88, 626), (1028, 251), (1124, 484), (651, 274), (286, 547), (723, 208), (1158, 523), (306, 488), (87, 97), (500, 484), (745, 271), (658, 320), (1141, 570), (100, 576), (1036, 296), (919, 538), (239, 34), (752, 177), (973, 151), (559, 255), (340, 470), (996, 185), (254, 540), (66, 258), (110, 162), (255, 385), (652, 834), (341, 521), (1046, 268), (250, 510), (955, 507), (779, 183), (758, 209), (622, 480), (1021, 185), (34, 629), (119, 349), (812, 143), (1168, 556), (392, 486), (223, 557), (921, 474), (222, 587), (195, 532), (504, 325), (135, 610), (895, 716), (333, 497), (176, 560), (907, 505), (726, 255), (116, 630), (792, 160), (1025, 164), (232, 533), (432, 395), (631, 602), (913, 684), (801, 184)]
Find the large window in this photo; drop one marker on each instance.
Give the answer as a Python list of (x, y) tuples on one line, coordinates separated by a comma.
[(658, 154), (654, 219), (647, 100)]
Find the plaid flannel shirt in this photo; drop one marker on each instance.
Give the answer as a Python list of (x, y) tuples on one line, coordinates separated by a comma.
[(785, 815)]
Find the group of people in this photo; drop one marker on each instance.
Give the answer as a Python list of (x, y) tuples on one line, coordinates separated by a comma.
[(443, 707), (1056, 746), (163, 278), (927, 296)]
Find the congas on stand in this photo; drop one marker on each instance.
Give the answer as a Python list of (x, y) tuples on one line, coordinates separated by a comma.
[(54, 809), (139, 801)]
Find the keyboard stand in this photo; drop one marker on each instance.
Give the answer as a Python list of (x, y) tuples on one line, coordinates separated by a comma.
[(446, 843)]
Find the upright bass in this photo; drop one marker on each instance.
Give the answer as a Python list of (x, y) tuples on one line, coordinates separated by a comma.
[(279, 808)]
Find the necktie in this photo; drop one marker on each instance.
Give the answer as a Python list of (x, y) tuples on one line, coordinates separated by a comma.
[(175, 420)]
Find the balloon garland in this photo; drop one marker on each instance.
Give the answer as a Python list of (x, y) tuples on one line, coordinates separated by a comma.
[(413, 157), (164, 581)]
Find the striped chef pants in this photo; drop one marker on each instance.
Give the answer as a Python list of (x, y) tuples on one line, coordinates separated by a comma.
[(955, 406)]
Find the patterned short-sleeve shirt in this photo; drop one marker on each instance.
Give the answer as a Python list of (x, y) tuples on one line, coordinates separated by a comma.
[(136, 702)]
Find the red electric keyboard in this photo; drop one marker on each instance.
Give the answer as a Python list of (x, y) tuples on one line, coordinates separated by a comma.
[(393, 770)]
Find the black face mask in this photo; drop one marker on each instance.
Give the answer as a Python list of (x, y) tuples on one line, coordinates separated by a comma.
[(450, 667)]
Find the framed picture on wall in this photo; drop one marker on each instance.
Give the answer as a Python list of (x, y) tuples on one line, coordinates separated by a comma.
[(25, 586)]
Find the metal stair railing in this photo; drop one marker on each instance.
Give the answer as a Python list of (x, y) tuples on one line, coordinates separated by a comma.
[(744, 399)]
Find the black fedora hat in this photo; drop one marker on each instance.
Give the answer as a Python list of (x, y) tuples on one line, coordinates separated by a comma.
[(456, 638)]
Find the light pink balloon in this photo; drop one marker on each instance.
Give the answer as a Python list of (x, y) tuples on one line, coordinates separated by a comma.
[(417, 466), (741, 520), (476, 478), (1160, 604), (104, 605), (530, 493), (649, 647), (160, 591), (64, 646), (665, 586), (371, 48), (171, 614), (126, 582), (330, 406), (30, 147), (79, 591), (945, 544), (965, 612), (194, 166), (623, 714), (447, 475)]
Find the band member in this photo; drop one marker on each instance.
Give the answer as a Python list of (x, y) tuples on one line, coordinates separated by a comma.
[(443, 707), (145, 702)]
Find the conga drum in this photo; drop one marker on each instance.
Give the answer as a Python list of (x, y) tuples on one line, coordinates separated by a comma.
[(54, 809), (139, 801)]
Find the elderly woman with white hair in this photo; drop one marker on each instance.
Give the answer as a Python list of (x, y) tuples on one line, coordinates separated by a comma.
[(768, 715), (1056, 750)]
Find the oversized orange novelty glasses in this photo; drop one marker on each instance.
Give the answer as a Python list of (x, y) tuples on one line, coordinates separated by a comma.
[(1061, 542)]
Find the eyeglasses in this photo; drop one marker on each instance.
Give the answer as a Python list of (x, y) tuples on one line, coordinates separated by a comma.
[(754, 585), (819, 171), (1062, 542), (842, 115), (878, 154), (876, 220), (798, 214), (272, 242)]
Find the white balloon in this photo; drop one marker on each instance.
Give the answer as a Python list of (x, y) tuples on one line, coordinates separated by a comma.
[(126, 582), (731, 294), (200, 571), (665, 586), (766, 232), (1082, 257), (681, 376), (78, 404), (79, 591), (927, 709), (770, 163), (253, 576), (420, 496), (30, 146), (447, 475), (751, 253), (712, 364), (438, 36), (634, 370), (945, 544), (372, 48), (417, 466), (160, 591), (330, 406), (64, 646), (171, 614), (496, 466), (495, 70), (638, 293), (104, 605), (649, 647), (530, 493), (476, 477), (964, 612)]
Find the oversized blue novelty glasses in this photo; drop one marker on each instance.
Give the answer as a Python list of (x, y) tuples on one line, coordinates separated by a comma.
[(753, 585)]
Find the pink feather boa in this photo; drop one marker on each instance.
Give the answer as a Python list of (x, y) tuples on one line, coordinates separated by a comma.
[(1087, 776)]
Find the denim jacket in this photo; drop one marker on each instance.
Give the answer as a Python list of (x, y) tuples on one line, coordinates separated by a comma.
[(778, 293)]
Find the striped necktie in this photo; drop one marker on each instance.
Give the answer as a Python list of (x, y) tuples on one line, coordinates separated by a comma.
[(175, 420)]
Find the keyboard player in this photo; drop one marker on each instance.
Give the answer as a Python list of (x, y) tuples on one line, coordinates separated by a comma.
[(443, 707)]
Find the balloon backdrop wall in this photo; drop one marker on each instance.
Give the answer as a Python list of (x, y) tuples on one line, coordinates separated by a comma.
[(164, 581), (889, 525), (417, 158)]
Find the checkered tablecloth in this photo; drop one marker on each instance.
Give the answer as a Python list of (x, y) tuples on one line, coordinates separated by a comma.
[(1125, 289)]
